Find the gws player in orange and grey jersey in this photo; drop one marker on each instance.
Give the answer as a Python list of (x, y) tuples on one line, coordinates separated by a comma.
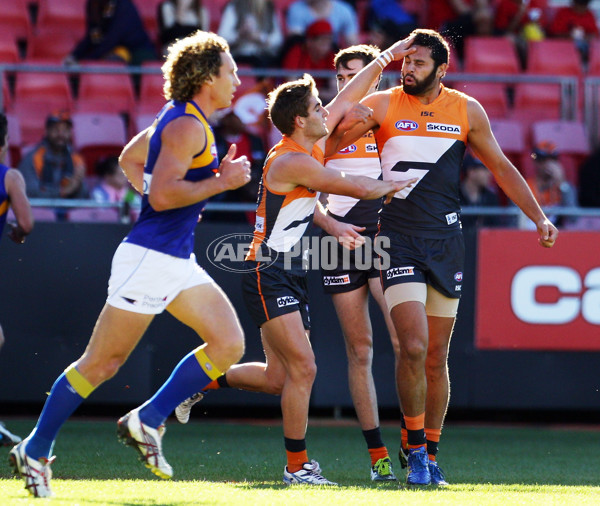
[(174, 164), (422, 129), (350, 285), (275, 293), (12, 196)]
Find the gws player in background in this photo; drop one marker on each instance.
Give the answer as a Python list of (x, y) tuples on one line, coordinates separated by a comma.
[(422, 129), (174, 163)]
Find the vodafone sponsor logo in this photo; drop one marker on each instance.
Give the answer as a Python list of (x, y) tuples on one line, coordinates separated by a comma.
[(406, 125), (576, 295), (348, 150)]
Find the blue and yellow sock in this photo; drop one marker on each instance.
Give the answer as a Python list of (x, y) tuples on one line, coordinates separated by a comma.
[(191, 375), (67, 393)]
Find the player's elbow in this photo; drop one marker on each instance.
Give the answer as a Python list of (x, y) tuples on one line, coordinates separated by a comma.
[(158, 201), (26, 224)]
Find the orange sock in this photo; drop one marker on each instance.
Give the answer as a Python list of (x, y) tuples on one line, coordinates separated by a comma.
[(378, 453), (295, 460), (404, 438), (415, 424), (433, 436)]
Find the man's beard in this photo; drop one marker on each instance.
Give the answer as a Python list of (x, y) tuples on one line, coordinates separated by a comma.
[(420, 86)]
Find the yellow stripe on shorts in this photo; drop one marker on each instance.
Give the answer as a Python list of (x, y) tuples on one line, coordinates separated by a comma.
[(82, 386), (208, 367)]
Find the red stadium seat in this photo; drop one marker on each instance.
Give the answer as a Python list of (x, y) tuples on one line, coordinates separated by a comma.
[(32, 115), (68, 15), (143, 121), (51, 43), (511, 137), (14, 140), (14, 19), (570, 139), (490, 55), (98, 135), (492, 97), (151, 92), (106, 93), (558, 57), (52, 86), (9, 52), (535, 101)]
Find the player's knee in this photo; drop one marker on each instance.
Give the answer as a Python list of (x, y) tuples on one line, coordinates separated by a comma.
[(413, 349), (437, 361), (305, 371), (233, 346), (361, 353)]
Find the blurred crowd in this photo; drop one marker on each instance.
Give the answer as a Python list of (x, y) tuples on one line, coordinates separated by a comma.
[(289, 34)]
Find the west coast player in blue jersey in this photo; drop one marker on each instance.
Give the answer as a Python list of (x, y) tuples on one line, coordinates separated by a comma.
[(174, 164), (12, 196), (422, 129)]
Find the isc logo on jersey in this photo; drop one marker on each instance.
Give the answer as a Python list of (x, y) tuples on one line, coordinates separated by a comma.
[(406, 125), (441, 127), (347, 150)]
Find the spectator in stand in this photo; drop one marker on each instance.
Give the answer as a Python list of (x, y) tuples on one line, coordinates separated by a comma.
[(315, 52), (475, 190), (52, 169), (393, 15), (114, 187), (458, 19), (578, 22), (302, 13), (114, 31), (179, 18), (524, 19), (548, 184), (253, 31)]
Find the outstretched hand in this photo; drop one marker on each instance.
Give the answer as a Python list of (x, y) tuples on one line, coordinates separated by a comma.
[(348, 235), (235, 172), (359, 113), (16, 233), (399, 186)]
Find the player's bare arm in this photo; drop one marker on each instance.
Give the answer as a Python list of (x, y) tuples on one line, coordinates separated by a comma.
[(348, 235), (15, 187), (298, 169), (181, 140), (355, 126), (133, 158), (484, 145)]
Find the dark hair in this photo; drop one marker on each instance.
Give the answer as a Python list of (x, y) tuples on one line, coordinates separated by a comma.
[(363, 52), (3, 129), (440, 49), (289, 100)]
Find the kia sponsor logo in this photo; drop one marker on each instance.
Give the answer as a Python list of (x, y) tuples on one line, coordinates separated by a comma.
[(441, 127), (577, 294), (348, 149), (406, 125)]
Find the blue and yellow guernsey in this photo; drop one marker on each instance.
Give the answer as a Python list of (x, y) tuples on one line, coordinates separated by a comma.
[(4, 202), (172, 231)]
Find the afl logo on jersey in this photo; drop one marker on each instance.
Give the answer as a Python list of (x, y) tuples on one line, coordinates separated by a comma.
[(406, 125), (347, 150)]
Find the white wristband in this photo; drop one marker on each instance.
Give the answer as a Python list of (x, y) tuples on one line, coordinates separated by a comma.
[(384, 59)]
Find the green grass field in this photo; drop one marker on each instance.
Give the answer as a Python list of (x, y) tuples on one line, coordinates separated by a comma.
[(237, 463)]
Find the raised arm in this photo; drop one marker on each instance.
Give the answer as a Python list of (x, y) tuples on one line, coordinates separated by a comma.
[(358, 87), (484, 145)]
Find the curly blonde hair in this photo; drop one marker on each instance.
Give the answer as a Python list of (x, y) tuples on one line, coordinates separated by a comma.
[(190, 63)]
